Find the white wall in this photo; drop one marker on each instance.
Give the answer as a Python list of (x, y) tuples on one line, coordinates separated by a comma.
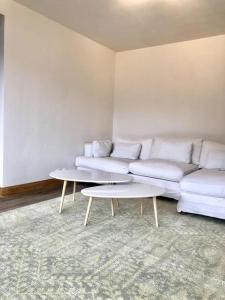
[(1, 93), (176, 89), (58, 94)]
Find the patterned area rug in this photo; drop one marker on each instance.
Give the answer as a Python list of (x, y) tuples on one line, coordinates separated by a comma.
[(44, 255)]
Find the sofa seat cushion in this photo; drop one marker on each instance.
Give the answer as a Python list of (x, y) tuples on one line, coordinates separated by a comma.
[(108, 164), (205, 182), (161, 169)]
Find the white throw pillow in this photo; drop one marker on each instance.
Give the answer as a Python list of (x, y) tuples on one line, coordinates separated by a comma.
[(126, 150), (215, 160), (88, 150), (175, 149), (101, 148), (146, 146), (208, 147), (146, 149)]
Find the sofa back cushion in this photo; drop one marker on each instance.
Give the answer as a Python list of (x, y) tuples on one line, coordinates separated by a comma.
[(126, 150), (88, 151), (101, 148), (212, 155), (146, 149), (175, 149), (146, 146), (216, 160), (196, 150)]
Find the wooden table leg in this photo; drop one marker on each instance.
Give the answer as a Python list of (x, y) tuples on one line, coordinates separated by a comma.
[(88, 211), (63, 196), (74, 190), (141, 207), (112, 208), (155, 211)]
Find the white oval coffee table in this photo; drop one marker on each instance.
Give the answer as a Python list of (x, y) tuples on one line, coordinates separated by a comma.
[(126, 191), (92, 176)]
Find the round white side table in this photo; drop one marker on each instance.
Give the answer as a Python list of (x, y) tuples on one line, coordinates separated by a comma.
[(92, 176), (126, 191)]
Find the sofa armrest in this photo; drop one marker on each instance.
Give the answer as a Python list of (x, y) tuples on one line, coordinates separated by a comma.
[(88, 150)]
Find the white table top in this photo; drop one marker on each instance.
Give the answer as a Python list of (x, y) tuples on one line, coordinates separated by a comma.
[(129, 190), (92, 176)]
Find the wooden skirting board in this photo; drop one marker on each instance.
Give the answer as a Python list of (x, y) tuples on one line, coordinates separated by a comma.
[(41, 186)]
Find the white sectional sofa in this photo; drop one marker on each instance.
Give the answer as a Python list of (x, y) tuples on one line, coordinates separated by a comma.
[(192, 171)]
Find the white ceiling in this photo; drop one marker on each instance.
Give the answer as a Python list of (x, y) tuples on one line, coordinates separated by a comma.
[(131, 24)]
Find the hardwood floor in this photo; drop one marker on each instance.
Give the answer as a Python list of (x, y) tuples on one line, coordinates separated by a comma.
[(12, 202)]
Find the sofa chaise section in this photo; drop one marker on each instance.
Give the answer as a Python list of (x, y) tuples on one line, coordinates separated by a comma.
[(203, 192), (205, 182)]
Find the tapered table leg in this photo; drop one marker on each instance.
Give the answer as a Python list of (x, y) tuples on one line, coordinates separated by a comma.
[(63, 196), (155, 212), (141, 207), (117, 202), (88, 211), (74, 190), (112, 208)]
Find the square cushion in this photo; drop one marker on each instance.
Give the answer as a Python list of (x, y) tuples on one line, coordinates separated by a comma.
[(161, 169), (146, 146), (205, 182), (107, 164), (175, 149), (88, 150), (215, 160), (126, 150), (207, 148), (146, 149), (101, 148)]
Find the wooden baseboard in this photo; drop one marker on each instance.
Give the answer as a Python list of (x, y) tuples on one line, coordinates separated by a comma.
[(41, 186)]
